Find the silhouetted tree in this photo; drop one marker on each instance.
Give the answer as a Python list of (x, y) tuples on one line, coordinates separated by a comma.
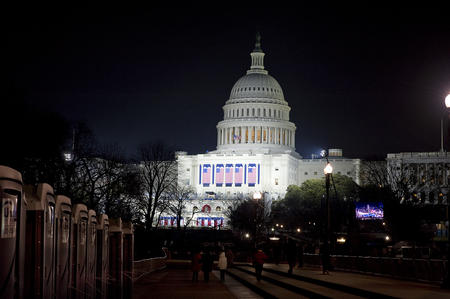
[(158, 172)]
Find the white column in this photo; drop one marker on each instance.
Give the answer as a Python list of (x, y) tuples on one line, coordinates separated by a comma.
[(293, 139), (275, 137), (254, 134)]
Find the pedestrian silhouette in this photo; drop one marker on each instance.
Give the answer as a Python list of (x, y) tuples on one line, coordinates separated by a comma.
[(325, 256), (300, 255), (196, 264), (222, 264), (207, 263), (258, 261), (291, 254), (230, 258)]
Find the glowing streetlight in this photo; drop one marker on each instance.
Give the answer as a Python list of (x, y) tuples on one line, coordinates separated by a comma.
[(387, 238), (257, 195), (247, 235), (299, 230), (341, 240), (328, 168), (447, 105), (447, 101), (446, 281)]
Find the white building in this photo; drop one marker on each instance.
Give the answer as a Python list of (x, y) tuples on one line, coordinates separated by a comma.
[(427, 175), (255, 150)]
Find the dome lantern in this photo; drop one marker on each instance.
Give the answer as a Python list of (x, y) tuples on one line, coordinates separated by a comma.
[(257, 58)]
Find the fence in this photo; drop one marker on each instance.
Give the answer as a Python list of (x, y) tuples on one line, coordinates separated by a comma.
[(426, 270), (146, 266), (50, 248)]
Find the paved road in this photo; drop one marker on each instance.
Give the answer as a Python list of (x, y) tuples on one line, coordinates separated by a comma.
[(384, 285), (177, 283)]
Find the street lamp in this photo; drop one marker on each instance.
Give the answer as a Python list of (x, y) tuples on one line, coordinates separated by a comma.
[(446, 281), (328, 170), (259, 219), (257, 195), (447, 105)]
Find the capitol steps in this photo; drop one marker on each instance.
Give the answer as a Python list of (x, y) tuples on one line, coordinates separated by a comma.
[(263, 287), (274, 281)]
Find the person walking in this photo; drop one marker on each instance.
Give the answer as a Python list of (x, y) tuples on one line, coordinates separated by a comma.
[(196, 265), (230, 258), (207, 263), (258, 261), (291, 254), (325, 255), (300, 255), (222, 265)]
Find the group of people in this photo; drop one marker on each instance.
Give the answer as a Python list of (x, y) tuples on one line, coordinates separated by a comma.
[(204, 260)]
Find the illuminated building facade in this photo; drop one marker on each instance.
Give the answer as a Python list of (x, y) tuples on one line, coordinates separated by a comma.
[(255, 150)]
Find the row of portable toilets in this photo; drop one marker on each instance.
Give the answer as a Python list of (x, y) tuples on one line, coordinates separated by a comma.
[(50, 248)]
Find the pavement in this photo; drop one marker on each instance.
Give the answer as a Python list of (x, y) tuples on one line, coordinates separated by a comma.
[(378, 285), (176, 282)]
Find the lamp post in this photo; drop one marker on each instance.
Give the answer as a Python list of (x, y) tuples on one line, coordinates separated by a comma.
[(257, 196), (446, 114), (446, 281), (328, 170)]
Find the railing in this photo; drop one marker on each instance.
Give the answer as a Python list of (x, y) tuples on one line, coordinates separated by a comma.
[(426, 270), (146, 266)]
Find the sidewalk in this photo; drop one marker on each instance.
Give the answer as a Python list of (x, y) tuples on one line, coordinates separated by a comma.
[(387, 286), (177, 283)]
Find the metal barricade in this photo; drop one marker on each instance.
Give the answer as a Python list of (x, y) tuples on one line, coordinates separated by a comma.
[(12, 233), (115, 258), (91, 257), (79, 244), (102, 256), (128, 257), (63, 216), (40, 242)]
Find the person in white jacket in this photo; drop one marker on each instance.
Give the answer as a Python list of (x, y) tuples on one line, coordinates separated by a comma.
[(222, 265)]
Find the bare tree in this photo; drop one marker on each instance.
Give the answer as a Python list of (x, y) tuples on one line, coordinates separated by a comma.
[(179, 196), (398, 180), (158, 172)]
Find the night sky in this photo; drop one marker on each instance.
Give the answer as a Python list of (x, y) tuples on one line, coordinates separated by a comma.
[(368, 80)]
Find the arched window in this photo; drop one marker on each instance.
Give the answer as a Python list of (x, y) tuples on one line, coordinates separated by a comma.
[(218, 209), (195, 208), (206, 209)]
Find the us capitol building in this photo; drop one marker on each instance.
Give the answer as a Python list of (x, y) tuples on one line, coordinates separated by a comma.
[(255, 151)]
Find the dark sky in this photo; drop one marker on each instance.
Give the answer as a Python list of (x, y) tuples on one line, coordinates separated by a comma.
[(370, 80)]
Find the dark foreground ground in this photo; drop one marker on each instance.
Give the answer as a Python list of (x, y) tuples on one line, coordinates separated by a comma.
[(175, 282)]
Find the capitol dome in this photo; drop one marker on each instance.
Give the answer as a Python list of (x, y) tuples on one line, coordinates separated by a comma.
[(256, 86), (256, 115)]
